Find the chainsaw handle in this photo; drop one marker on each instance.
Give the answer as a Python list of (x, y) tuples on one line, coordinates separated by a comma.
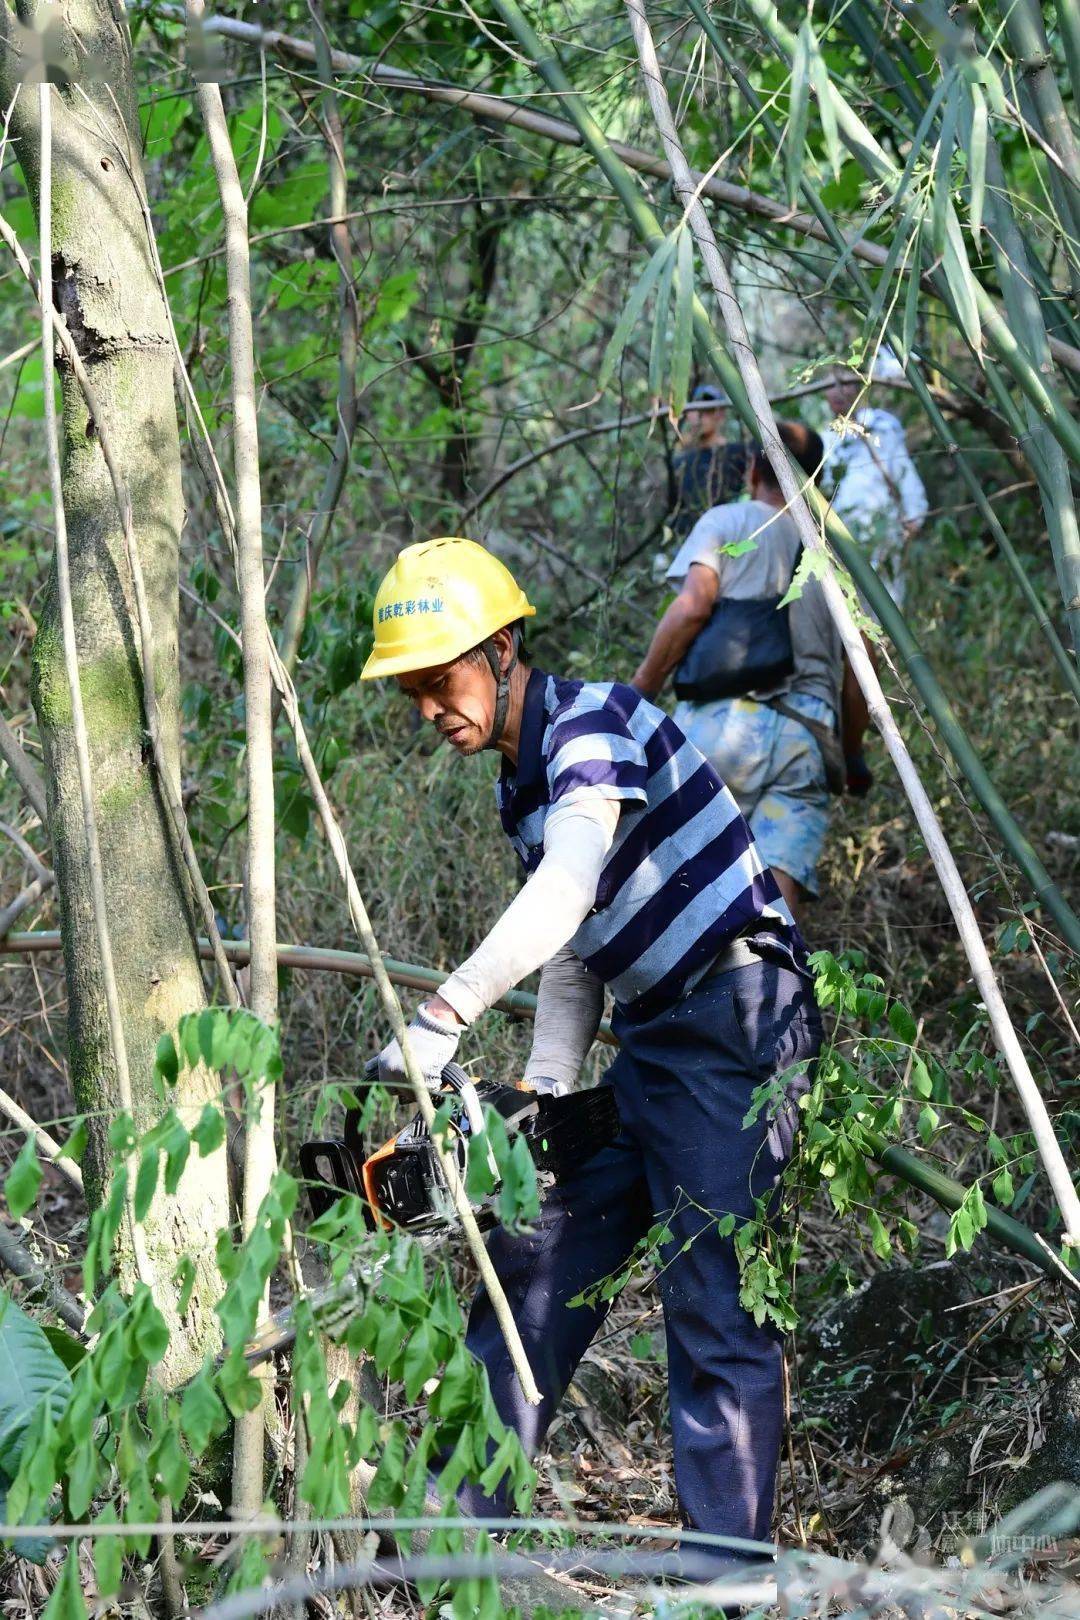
[(454, 1077)]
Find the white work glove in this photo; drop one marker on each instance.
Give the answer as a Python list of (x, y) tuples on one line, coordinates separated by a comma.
[(432, 1043)]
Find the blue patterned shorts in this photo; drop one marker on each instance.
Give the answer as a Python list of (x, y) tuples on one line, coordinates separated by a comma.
[(773, 766)]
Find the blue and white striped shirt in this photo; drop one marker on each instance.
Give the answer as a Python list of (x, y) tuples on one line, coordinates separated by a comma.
[(683, 876)]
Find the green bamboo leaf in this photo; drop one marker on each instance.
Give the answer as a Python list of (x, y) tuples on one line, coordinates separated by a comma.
[(943, 170), (909, 220), (983, 72), (798, 111), (961, 282), (910, 329), (894, 200), (819, 78), (634, 305), (658, 347), (684, 317), (977, 160)]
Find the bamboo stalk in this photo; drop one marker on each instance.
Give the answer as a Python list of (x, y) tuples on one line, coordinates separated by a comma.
[(1026, 318), (349, 337), (792, 488), (260, 1153), (1027, 35), (80, 736), (1068, 16)]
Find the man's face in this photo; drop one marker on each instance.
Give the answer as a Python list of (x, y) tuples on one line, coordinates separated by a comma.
[(842, 395), (704, 426), (458, 699)]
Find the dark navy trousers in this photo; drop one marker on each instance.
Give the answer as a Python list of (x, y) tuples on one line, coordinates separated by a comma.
[(683, 1082)]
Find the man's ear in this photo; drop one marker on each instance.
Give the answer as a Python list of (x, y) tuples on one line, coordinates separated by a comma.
[(504, 643)]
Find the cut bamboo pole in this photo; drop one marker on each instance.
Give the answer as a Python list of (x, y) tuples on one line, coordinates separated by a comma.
[(260, 1153)]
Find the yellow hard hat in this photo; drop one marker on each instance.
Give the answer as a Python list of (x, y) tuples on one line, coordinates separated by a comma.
[(441, 598)]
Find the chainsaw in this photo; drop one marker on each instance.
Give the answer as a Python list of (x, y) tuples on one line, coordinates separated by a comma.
[(402, 1183)]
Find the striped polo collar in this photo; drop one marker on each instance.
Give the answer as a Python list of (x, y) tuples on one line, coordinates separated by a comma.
[(530, 760)]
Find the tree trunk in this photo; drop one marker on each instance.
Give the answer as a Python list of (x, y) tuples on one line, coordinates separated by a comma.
[(107, 290)]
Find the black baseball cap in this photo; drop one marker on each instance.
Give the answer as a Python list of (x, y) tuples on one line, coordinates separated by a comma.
[(707, 397)]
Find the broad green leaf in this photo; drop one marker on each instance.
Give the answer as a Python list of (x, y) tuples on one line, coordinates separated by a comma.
[(634, 306), (23, 1180), (32, 1377), (202, 1412), (902, 1023), (209, 1132), (167, 1060), (1004, 1189), (879, 1238), (146, 1181), (75, 1145), (921, 1083), (108, 1555)]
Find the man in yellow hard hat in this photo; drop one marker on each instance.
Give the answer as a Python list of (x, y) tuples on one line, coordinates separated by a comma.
[(643, 878)]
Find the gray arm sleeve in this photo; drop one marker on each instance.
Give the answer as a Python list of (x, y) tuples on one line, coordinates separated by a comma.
[(569, 1005)]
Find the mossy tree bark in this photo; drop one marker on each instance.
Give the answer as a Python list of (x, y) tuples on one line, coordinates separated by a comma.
[(107, 290)]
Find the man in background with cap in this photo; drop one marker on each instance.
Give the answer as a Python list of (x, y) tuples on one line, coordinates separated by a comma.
[(708, 471)]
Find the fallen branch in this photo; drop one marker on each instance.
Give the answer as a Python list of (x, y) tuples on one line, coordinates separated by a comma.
[(24, 771), (16, 1257)]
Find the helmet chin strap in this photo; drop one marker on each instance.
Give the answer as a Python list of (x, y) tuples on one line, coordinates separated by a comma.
[(502, 684)]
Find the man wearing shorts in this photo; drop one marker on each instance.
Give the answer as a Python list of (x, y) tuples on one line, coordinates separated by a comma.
[(771, 761)]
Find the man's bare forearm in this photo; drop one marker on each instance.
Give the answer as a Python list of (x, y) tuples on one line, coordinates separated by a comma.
[(671, 639)]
